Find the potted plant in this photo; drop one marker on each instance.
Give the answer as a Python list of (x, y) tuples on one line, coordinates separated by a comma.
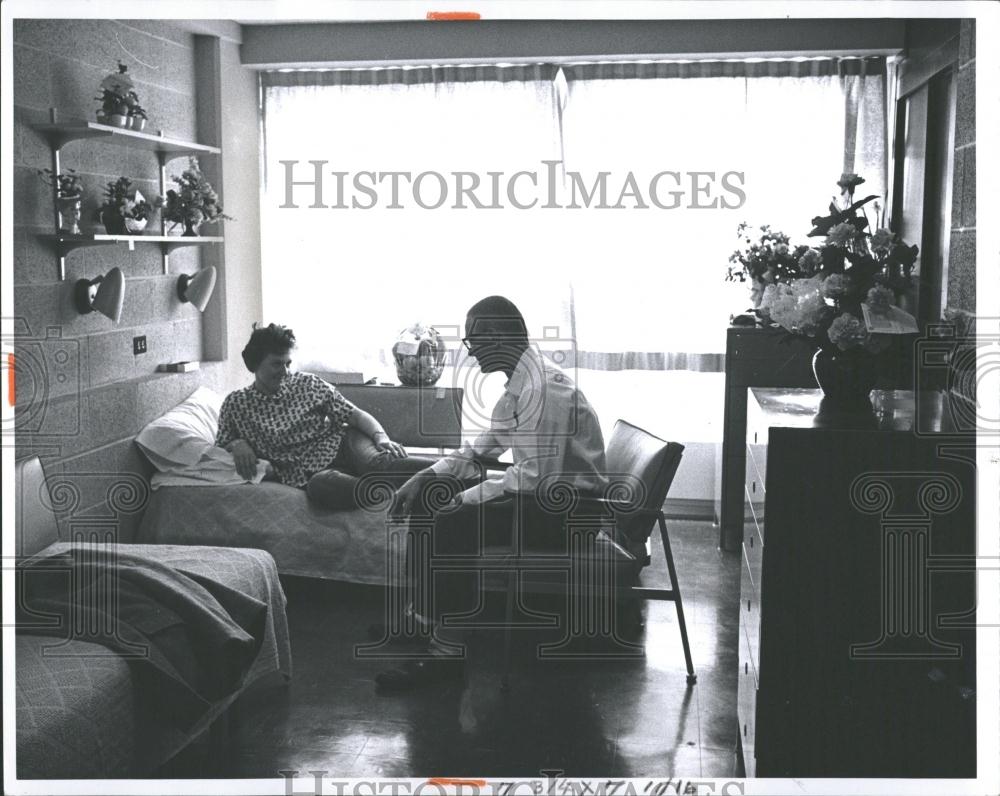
[(125, 210), (115, 100), (69, 194), (137, 117), (846, 303), (193, 203)]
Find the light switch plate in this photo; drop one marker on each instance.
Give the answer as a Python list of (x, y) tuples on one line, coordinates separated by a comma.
[(139, 344)]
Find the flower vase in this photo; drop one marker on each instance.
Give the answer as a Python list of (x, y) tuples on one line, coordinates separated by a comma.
[(114, 223), (135, 226), (846, 378), (69, 214), (190, 231)]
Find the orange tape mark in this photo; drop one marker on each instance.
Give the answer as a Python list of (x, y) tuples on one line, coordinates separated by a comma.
[(453, 16), (472, 783), (10, 378)]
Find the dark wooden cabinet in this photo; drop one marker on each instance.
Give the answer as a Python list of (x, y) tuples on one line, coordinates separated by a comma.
[(755, 357), (857, 643)]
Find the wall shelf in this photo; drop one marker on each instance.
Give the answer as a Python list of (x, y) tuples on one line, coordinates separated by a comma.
[(64, 244), (61, 133)]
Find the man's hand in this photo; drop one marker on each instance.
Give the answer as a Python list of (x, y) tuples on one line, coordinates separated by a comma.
[(407, 496), (387, 447), (245, 458)]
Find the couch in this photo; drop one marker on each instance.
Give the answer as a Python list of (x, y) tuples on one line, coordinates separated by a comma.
[(357, 546), (79, 705)]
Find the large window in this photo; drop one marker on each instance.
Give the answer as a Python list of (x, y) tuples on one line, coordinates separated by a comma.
[(629, 283)]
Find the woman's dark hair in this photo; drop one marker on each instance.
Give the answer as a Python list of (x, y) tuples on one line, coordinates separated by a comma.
[(264, 340)]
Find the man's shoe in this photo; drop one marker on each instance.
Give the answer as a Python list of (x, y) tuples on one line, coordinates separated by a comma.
[(414, 674)]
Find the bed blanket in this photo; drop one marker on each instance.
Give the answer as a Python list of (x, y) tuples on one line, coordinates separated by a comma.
[(358, 546), (192, 638), (78, 711)]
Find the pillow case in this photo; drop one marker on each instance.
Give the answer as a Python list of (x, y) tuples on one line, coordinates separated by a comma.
[(184, 434)]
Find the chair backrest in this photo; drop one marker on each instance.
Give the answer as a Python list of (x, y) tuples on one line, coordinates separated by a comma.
[(421, 417), (633, 453), (35, 524)]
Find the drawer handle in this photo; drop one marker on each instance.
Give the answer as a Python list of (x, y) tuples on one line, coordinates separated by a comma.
[(748, 605), (746, 668), (753, 487), (751, 540), (744, 730)]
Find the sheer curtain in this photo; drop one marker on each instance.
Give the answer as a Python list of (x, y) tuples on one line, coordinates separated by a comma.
[(627, 288), (352, 279)]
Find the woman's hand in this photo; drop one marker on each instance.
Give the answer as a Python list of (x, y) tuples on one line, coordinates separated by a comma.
[(245, 458), (387, 447)]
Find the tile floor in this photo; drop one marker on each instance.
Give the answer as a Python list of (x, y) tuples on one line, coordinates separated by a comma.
[(634, 717)]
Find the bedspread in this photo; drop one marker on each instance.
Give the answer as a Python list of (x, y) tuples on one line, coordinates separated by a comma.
[(77, 712), (352, 546)]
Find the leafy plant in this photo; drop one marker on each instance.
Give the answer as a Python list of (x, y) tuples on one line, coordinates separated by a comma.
[(121, 198), (68, 184), (194, 202), (117, 93), (112, 103), (768, 258)]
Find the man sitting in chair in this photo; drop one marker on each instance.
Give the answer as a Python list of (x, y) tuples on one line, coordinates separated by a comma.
[(554, 437)]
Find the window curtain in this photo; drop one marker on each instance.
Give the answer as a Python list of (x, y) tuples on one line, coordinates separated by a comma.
[(628, 288), (352, 279)]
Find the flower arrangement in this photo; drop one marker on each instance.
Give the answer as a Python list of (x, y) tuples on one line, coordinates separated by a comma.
[(769, 258), (766, 260), (194, 202), (119, 101), (117, 96), (67, 184), (854, 275), (124, 209)]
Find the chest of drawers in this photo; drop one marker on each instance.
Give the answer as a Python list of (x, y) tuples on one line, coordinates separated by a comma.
[(853, 661)]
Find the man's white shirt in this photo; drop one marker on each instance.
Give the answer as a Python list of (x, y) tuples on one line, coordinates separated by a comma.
[(549, 427)]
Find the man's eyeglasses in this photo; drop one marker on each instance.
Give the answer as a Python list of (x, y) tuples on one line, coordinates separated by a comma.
[(485, 341)]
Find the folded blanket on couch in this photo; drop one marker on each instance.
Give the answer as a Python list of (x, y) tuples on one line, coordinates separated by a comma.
[(191, 640)]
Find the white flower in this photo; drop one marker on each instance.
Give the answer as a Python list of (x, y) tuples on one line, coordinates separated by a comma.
[(798, 307), (841, 235), (882, 240), (836, 286), (810, 261), (879, 297), (846, 331)]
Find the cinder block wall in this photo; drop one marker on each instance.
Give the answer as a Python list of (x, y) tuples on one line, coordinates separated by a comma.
[(82, 395), (962, 254)]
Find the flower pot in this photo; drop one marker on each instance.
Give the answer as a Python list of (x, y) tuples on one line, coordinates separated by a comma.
[(846, 378), (69, 214), (117, 120), (136, 123), (134, 226), (190, 230), (113, 222)]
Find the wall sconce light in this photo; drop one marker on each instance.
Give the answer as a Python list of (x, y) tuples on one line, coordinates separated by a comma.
[(198, 288), (105, 294)]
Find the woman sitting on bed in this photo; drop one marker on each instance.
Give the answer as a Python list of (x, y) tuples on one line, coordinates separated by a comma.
[(314, 438)]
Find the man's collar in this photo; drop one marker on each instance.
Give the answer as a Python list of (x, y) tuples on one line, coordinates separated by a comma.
[(528, 368)]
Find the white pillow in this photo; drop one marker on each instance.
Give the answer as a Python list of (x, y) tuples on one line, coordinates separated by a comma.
[(183, 435)]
